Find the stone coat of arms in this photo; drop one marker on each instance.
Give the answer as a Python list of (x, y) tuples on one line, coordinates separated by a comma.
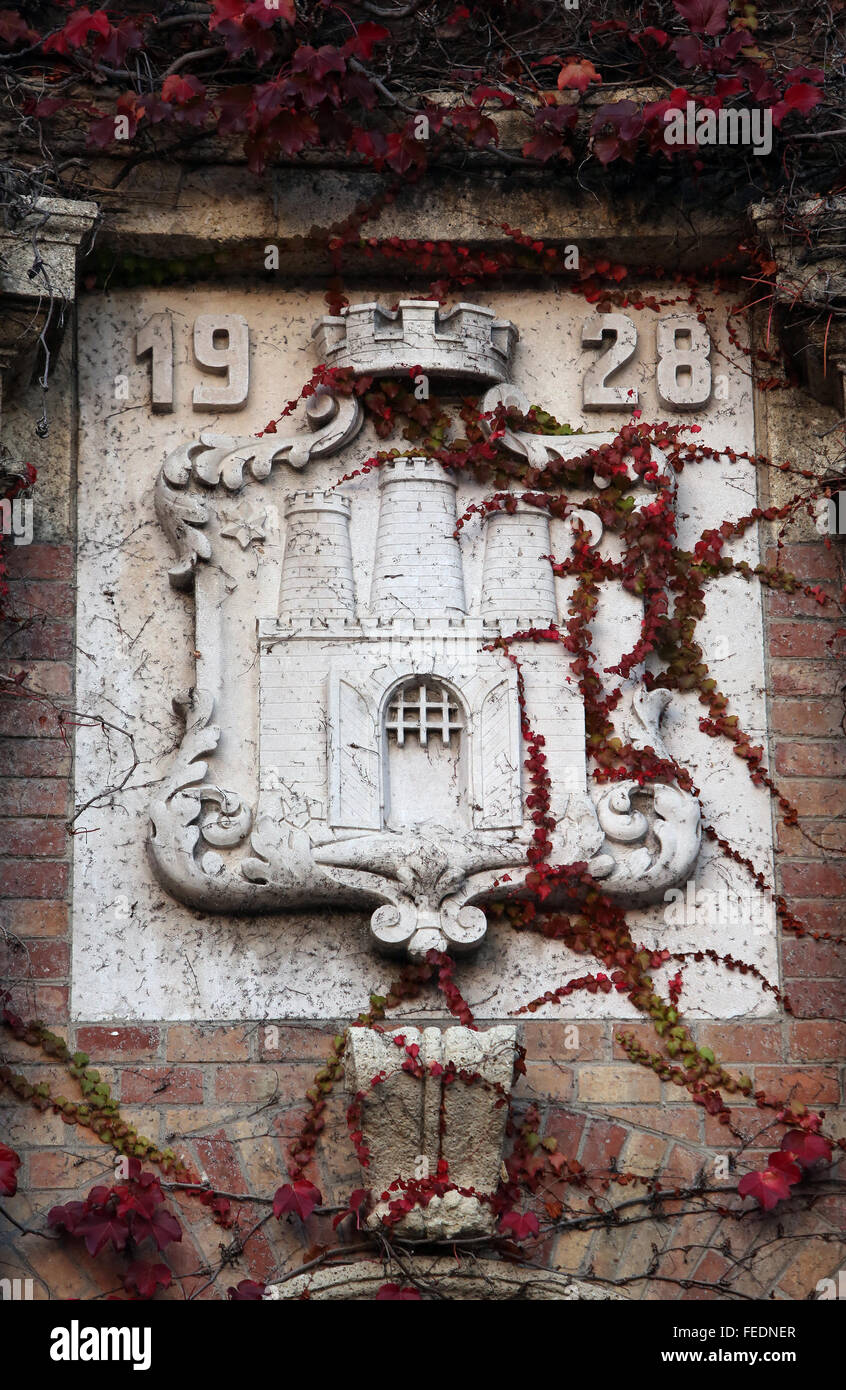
[(355, 741)]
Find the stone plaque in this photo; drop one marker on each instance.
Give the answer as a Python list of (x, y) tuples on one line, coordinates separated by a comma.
[(311, 757)]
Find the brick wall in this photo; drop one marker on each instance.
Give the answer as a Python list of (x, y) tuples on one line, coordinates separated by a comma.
[(217, 1094)]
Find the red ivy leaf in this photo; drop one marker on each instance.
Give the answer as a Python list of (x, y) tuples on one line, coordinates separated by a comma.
[(520, 1223), (99, 1227), (577, 73), (247, 1291), (14, 30), (76, 31), (802, 97), (806, 1149), (9, 1165), (144, 1279), (367, 36), (768, 1188), (394, 1293), (181, 89), (301, 1197), (704, 16), (161, 1225)]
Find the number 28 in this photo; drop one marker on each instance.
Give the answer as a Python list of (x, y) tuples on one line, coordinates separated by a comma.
[(683, 374)]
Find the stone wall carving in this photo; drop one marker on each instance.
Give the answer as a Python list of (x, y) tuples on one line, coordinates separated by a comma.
[(390, 766)]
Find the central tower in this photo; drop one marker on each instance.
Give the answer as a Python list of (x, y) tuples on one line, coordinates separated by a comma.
[(417, 569)]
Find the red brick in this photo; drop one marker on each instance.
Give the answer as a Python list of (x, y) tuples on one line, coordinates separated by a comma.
[(567, 1128), (39, 561), (675, 1122), (742, 1042), (51, 1169), (49, 1003), (23, 716), (810, 760), (819, 914), (818, 1041), (603, 1142), (748, 1120), (28, 917), (52, 597), (811, 1085), (803, 678), (34, 960), (643, 1033), (34, 880), (119, 1043), (817, 998), (546, 1080), (25, 838), (811, 840), (807, 959), (44, 677), (811, 561), (285, 1042), (806, 718), (38, 640), (162, 1085), (799, 605), (815, 880), (20, 796), (287, 1081), (803, 640), (35, 757), (193, 1042), (565, 1042), (822, 798)]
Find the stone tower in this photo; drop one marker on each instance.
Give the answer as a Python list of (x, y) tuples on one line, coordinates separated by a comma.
[(418, 570), (317, 576), (518, 586)]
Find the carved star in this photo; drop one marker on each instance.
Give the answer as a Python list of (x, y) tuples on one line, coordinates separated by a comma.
[(243, 529)]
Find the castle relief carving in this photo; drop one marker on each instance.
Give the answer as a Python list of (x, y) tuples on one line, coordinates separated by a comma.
[(385, 768)]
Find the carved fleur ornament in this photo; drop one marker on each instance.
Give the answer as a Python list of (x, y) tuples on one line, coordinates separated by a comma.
[(353, 737)]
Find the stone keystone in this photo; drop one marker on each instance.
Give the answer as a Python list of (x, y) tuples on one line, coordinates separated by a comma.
[(411, 1122)]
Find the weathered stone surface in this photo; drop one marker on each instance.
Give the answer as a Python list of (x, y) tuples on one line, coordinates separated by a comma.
[(410, 1122), (476, 1279), (310, 811)]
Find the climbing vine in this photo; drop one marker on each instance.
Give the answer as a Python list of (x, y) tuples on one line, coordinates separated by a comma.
[(594, 97)]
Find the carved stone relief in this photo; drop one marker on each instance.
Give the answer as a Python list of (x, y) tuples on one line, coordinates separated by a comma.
[(351, 750)]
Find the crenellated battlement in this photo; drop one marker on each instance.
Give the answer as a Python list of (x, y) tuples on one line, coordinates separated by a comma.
[(468, 342)]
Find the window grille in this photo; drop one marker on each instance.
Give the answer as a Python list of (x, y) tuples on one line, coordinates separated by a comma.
[(421, 709)]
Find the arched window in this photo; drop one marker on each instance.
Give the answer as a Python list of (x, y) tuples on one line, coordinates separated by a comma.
[(426, 755)]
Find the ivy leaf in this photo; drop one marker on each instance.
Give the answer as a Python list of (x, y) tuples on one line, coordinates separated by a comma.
[(806, 1149), (76, 31), (161, 1225), (144, 1279), (520, 1223), (704, 16), (577, 73), (768, 1188), (300, 1197), (247, 1291), (67, 1217), (14, 30), (9, 1165), (366, 37), (180, 90), (394, 1293), (100, 1227)]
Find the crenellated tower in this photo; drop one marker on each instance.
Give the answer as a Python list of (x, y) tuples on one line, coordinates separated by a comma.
[(317, 573), (417, 565), (518, 585)]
